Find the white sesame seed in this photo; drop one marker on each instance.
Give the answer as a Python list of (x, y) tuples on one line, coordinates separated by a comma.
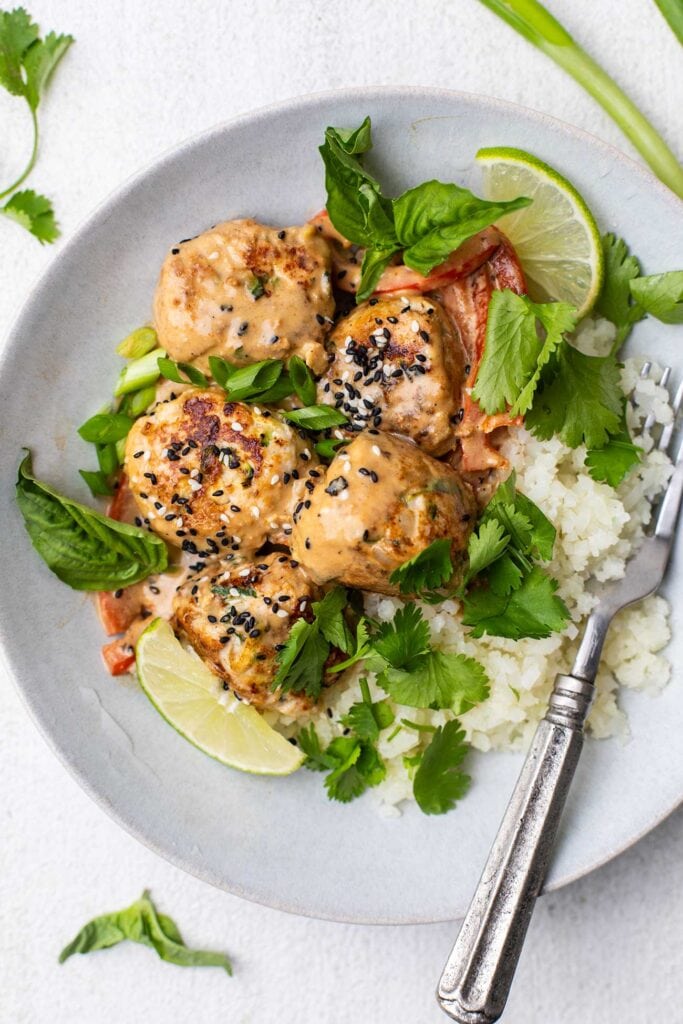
[(345, 375), (195, 485), (244, 572), (302, 605), (236, 426), (162, 510), (344, 495), (376, 450), (224, 518), (179, 522), (145, 457), (338, 434), (255, 511), (348, 339), (307, 452), (237, 540), (348, 359), (213, 255), (275, 479), (282, 614), (414, 326), (404, 301), (256, 410)]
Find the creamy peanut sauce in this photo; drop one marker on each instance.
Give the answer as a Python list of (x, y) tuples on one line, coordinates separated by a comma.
[(246, 292)]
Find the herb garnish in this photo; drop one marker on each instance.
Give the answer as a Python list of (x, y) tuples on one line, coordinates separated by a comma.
[(141, 922), (426, 223), (430, 569), (87, 550), (26, 66), (301, 663), (439, 781)]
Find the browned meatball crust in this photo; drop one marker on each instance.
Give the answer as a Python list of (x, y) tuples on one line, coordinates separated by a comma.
[(246, 292), (236, 614), (381, 502), (213, 476), (397, 364)]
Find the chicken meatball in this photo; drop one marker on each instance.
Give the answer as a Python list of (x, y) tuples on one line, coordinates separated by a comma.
[(246, 292), (397, 364), (381, 501), (237, 616), (213, 476)]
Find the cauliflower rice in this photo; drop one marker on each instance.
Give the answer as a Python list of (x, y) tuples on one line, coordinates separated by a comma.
[(598, 529)]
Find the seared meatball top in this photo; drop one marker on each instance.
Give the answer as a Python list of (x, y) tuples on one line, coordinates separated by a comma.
[(246, 292), (397, 364), (381, 502), (214, 476), (237, 614)]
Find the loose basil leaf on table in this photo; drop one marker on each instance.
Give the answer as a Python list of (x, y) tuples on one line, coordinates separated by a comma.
[(85, 549), (141, 922)]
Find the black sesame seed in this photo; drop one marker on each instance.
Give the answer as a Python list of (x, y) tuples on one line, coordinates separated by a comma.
[(137, 455), (281, 234), (175, 251), (243, 328), (336, 486)]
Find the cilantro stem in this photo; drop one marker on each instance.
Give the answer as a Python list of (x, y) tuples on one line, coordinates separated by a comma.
[(531, 19), (418, 726), (32, 161)]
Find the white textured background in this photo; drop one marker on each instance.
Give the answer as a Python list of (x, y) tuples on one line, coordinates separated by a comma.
[(141, 77)]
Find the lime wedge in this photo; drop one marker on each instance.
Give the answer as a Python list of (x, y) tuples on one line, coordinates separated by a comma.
[(556, 237), (192, 699)]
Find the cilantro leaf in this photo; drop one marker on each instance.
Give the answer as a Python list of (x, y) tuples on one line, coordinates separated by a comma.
[(330, 619), (660, 295), (531, 610), (360, 767), (316, 758), (439, 781), (302, 661), (429, 569), (514, 354), (360, 648), (615, 302), (504, 576), (437, 679), (366, 717), (613, 462), (486, 544), (17, 33), (34, 212), (404, 639), (40, 61), (580, 401)]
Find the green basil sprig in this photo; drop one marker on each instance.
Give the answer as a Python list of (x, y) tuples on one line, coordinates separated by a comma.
[(86, 550), (426, 223), (141, 922)]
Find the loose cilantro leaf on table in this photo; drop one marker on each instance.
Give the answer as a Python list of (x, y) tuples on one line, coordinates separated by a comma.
[(427, 223), (439, 781), (26, 66), (430, 569), (530, 610), (141, 922), (515, 353)]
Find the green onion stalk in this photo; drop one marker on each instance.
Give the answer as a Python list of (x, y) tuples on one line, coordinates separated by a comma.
[(531, 19)]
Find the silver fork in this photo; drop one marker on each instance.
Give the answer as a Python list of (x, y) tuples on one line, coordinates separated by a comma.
[(477, 977)]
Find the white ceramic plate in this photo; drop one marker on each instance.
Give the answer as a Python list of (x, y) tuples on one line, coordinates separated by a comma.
[(281, 842)]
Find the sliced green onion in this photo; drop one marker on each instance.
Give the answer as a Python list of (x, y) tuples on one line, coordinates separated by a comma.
[(251, 381), (182, 373), (107, 458), (139, 401), (315, 417), (97, 482), (673, 12), (302, 379), (535, 23), (138, 343), (105, 428), (121, 450), (140, 373), (221, 370), (327, 448)]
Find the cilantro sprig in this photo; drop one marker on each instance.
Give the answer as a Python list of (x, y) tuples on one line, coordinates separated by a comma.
[(27, 63), (508, 594), (427, 223), (439, 781)]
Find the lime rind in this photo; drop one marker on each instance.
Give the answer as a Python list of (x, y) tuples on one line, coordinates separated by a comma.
[(556, 237), (192, 700)]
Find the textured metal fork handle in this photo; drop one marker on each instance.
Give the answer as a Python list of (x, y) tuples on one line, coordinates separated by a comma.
[(476, 981)]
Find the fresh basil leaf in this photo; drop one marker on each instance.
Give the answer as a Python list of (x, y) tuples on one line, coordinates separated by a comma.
[(315, 417), (98, 483), (302, 380), (105, 428), (434, 219), (375, 262), (660, 295), (142, 923), (85, 549)]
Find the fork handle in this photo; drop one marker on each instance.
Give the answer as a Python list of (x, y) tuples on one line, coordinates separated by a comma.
[(476, 980)]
